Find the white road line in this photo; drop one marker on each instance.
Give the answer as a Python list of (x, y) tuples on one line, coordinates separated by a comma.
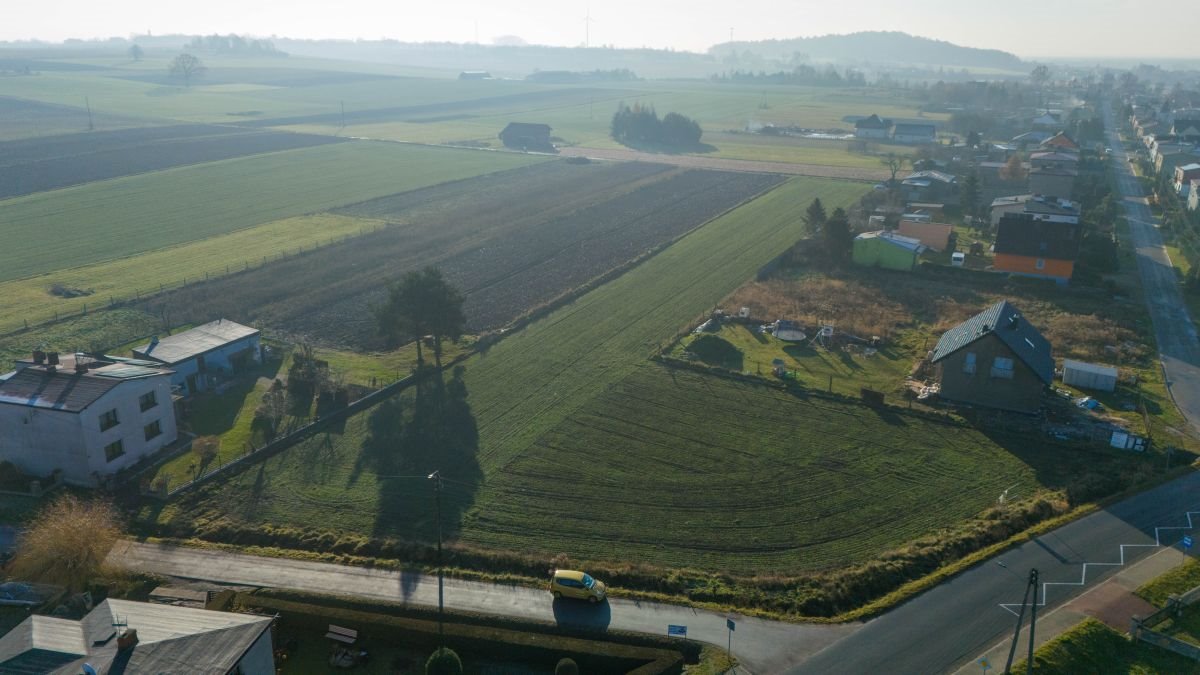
[(1008, 606)]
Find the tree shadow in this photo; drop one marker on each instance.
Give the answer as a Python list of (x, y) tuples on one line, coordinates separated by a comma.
[(409, 439)]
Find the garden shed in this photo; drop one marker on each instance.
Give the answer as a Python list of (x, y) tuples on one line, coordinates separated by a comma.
[(887, 250), (1089, 375)]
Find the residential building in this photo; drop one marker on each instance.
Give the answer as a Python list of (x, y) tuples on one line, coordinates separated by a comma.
[(121, 636), (525, 136), (1048, 159), (1031, 138), (1036, 248), (1170, 156), (474, 75), (1052, 181), (1186, 129), (1040, 207), (1193, 198), (872, 127), (1060, 142), (199, 356), (1046, 121), (1184, 175), (995, 359), (914, 133), (887, 250), (933, 236), (83, 417), (930, 186)]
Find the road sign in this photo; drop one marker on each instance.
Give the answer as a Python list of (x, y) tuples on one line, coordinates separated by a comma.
[(1187, 542), (987, 665), (730, 624), (676, 631)]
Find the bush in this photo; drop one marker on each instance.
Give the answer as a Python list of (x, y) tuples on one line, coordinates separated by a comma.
[(443, 662), (67, 543), (566, 667), (716, 351)]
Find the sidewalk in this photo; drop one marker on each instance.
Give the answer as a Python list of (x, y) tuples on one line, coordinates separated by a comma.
[(1112, 602)]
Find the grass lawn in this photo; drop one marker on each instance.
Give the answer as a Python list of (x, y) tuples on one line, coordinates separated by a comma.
[(30, 299), (1092, 647), (135, 214), (812, 365), (532, 381), (1179, 580), (98, 331)]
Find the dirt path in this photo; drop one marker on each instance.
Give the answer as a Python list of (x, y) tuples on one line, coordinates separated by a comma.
[(721, 164)]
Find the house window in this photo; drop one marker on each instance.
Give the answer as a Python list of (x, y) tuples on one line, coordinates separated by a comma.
[(1040, 264), (1002, 367), (109, 420), (153, 429), (147, 401), (113, 450), (969, 363)]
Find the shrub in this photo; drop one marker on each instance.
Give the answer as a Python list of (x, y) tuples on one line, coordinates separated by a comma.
[(443, 662), (67, 542), (716, 351), (566, 667)]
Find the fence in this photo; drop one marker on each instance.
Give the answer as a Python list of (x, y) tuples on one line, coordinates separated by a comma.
[(1143, 629), (306, 431)]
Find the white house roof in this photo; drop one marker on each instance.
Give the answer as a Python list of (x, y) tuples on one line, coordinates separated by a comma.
[(908, 243), (66, 390), (194, 342), (1190, 167)]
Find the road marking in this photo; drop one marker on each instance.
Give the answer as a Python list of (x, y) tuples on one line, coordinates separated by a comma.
[(1008, 606)]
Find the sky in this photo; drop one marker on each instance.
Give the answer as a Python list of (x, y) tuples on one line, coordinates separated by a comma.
[(1028, 28)]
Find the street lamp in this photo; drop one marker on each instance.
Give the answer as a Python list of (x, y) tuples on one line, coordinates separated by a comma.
[(436, 477)]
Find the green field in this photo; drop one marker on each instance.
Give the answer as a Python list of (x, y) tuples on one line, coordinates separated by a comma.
[(30, 299), (126, 216), (533, 381), (1092, 647)]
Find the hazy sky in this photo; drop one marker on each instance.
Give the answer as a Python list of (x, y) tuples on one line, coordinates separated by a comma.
[(1029, 28)]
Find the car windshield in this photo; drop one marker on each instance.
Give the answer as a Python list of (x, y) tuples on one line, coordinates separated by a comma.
[(588, 582)]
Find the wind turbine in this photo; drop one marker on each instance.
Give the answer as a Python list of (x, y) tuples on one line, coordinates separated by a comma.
[(587, 28)]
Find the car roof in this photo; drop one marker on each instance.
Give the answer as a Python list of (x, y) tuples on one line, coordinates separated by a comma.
[(569, 574)]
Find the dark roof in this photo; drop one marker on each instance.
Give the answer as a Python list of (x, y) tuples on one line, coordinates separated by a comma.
[(872, 122), (1005, 322), (1021, 234), (60, 390), (526, 128), (915, 129)]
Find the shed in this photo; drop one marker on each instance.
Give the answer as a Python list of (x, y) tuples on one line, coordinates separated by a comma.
[(1089, 375), (887, 250)]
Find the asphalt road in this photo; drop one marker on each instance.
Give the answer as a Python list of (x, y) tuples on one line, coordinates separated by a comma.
[(1173, 328), (950, 625), (763, 646)]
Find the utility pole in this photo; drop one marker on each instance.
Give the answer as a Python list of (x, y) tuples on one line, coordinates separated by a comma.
[(343, 115), (436, 477), (1033, 586), (88, 104), (587, 28)]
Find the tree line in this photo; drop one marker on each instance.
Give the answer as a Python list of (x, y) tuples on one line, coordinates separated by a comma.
[(802, 74), (641, 124)]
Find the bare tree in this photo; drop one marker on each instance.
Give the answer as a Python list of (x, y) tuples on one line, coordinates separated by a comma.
[(67, 542), (894, 163), (1040, 75), (135, 52), (186, 67), (1013, 169)]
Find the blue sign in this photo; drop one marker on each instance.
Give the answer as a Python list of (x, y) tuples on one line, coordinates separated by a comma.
[(1187, 542), (730, 625), (676, 631)]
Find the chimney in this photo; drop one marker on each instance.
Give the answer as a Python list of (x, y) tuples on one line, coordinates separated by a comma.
[(127, 639), (39, 356), (52, 358)]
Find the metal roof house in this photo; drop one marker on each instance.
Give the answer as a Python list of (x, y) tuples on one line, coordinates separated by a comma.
[(872, 126), (195, 356), (120, 637), (995, 359), (84, 417), (914, 133)]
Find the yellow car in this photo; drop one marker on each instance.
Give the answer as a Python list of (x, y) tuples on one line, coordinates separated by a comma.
[(575, 584)]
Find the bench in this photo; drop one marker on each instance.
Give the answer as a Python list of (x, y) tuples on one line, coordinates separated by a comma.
[(344, 635)]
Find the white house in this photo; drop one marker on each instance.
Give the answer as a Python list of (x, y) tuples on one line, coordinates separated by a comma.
[(872, 127), (914, 133), (196, 356), (1041, 207), (1193, 202), (121, 636), (87, 419)]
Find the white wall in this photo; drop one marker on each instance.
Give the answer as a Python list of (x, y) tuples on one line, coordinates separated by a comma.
[(38, 441), (131, 429)]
